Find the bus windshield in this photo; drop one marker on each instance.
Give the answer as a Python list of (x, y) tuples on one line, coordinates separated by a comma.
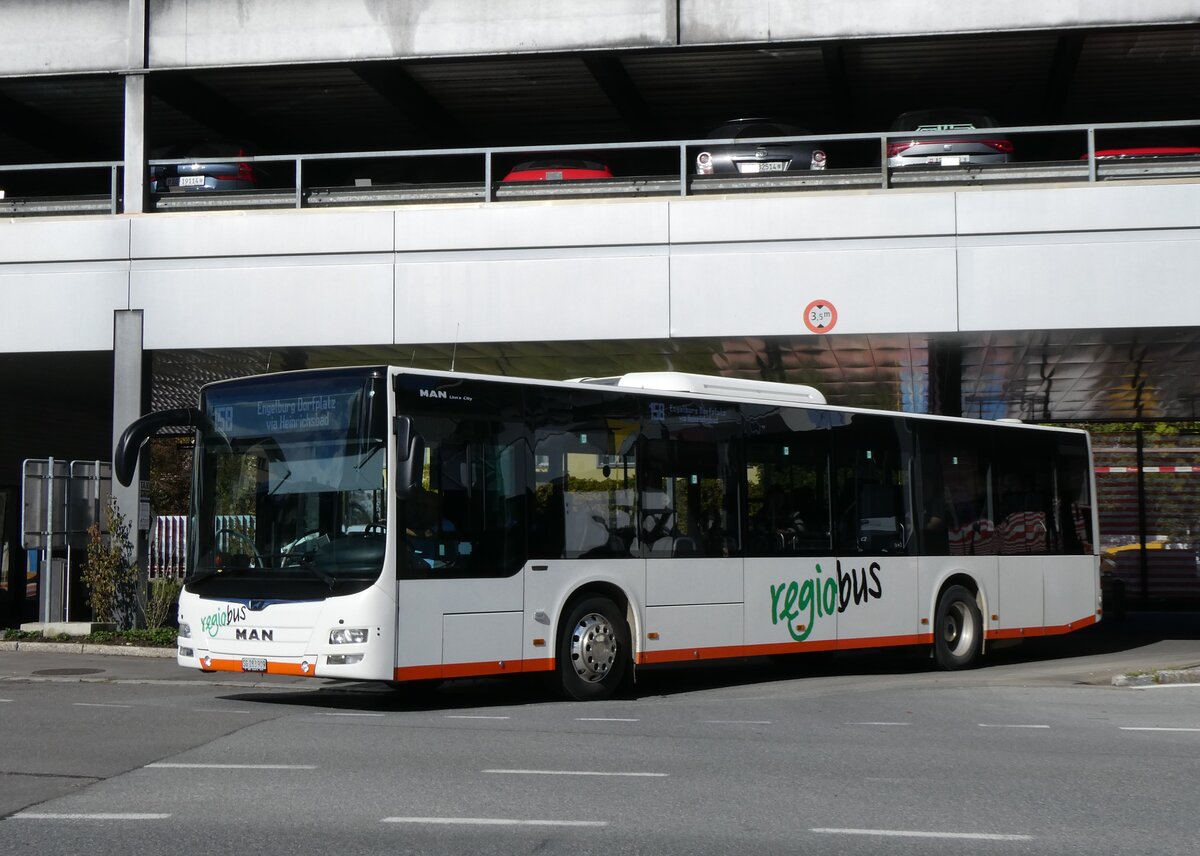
[(291, 485)]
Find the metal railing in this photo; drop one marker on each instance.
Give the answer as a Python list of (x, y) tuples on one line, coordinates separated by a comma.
[(681, 182)]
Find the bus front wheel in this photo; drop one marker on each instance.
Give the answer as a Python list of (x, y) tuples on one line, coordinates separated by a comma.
[(957, 630), (593, 650)]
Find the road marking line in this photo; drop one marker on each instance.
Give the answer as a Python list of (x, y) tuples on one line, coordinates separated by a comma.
[(491, 821), (221, 710), (577, 773), (1166, 687), (5, 699), (97, 704), (349, 714), (1137, 728), (879, 723), (27, 815), (735, 722), (905, 833), (603, 719), (465, 716), (991, 725), (172, 766)]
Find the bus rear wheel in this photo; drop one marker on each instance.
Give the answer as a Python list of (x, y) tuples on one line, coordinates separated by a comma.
[(593, 650), (957, 629)]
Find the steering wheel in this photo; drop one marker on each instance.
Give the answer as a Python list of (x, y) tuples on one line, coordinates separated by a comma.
[(246, 539)]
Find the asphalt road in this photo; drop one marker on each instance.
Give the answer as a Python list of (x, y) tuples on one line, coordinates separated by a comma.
[(1036, 752)]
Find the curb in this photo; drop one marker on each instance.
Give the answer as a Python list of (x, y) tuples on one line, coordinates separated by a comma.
[(88, 648), (1158, 677)]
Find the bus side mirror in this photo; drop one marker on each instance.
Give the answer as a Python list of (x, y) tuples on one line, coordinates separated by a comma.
[(410, 457), (130, 444)]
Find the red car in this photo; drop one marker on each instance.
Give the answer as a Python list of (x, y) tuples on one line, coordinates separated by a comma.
[(558, 169), (1146, 152)]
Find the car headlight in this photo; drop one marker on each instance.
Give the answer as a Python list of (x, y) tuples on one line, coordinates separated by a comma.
[(185, 630), (347, 635), (704, 164), (818, 159)]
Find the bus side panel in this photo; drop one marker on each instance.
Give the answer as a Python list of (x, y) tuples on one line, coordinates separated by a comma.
[(550, 583), (1070, 585), (694, 632), (781, 613), (424, 603), (1021, 601), (878, 596), (936, 570)]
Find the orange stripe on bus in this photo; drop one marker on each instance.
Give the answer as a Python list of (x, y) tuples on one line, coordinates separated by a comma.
[(273, 668), (1033, 632)]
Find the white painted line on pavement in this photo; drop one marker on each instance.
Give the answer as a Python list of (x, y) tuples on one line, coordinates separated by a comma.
[(34, 815), (349, 714), (166, 765), (603, 719), (222, 710), (1138, 728), (577, 773), (1003, 725), (97, 704), (492, 821), (1167, 687), (879, 723), (5, 699), (735, 722), (465, 716), (907, 833)]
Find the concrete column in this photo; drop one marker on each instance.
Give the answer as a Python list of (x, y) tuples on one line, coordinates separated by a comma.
[(134, 189), (129, 386)]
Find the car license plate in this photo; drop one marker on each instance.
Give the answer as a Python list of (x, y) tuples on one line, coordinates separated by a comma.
[(191, 181), (254, 664), (948, 160), (762, 166)]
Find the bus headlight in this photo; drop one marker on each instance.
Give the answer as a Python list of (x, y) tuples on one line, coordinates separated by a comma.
[(185, 630), (347, 635)]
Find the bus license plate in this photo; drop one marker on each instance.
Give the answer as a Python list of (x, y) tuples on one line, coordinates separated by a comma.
[(191, 181), (254, 664)]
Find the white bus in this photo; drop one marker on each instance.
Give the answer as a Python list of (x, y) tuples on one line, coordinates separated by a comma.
[(392, 524)]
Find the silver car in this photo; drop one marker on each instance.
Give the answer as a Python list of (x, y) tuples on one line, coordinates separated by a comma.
[(742, 158), (905, 146)]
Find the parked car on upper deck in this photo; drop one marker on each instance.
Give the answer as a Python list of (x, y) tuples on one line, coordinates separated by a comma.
[(558, 169), (906, 147), (765, 157), (232, 174)]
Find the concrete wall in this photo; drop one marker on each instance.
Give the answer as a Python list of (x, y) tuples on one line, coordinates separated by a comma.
[(1070, 257), (59, 36), (724, 21)]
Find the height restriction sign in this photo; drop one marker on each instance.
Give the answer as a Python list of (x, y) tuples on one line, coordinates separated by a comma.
[(820, 316)]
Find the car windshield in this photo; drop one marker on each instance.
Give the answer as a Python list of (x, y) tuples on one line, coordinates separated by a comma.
[(291, 481)]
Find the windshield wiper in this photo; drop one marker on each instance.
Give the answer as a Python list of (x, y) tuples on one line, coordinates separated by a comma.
[(308, 563)]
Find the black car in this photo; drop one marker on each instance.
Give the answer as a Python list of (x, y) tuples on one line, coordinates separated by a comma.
[(761, 157)]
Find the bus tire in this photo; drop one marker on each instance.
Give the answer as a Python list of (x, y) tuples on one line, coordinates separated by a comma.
[(594, 650), (957, 629)]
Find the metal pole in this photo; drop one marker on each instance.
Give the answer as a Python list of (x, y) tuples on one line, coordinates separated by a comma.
[(47, 576), (487, 176), (1144, 560), (299, 183), (683, 173), (1091, 144)]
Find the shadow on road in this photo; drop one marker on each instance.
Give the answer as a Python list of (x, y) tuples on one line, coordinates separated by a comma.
[(1135, 631)]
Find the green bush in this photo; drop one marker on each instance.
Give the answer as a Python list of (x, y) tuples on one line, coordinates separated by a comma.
[(159, 603), (109, 573)]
